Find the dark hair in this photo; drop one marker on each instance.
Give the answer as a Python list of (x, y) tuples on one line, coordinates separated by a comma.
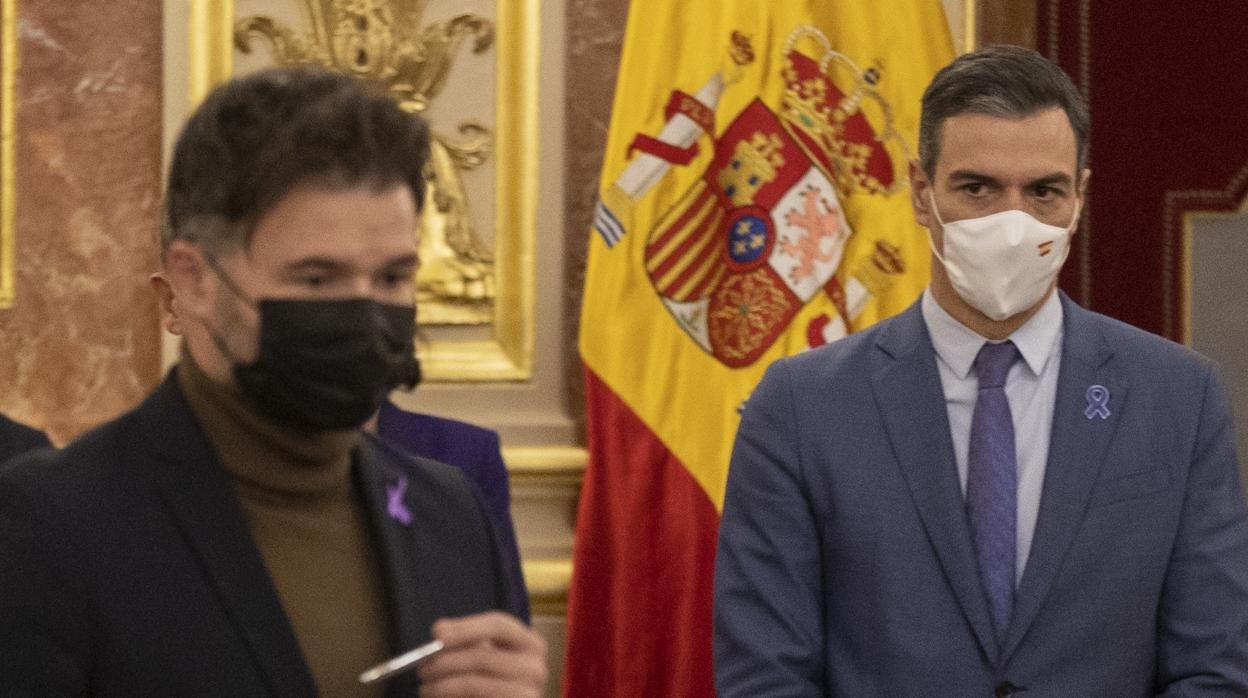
[(257, 137), (1004, 81)]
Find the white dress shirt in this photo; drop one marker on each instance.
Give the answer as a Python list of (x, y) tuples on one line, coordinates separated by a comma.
[(1030, 388)]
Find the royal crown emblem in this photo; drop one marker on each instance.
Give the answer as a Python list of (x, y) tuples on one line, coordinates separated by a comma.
[(835, 125)]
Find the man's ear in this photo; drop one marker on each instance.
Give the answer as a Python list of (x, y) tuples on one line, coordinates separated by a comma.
[(920, 196), (166, 300), (1082, 191), (188, 282)]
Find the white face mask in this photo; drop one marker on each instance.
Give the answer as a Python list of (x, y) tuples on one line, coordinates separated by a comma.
[(1004, 263)]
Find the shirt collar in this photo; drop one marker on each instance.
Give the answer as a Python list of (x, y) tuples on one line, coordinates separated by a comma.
[(957, 345)]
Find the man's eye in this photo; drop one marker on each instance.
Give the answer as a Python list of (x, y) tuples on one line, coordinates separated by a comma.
[(315, 281), (392, 279), (974, 188)]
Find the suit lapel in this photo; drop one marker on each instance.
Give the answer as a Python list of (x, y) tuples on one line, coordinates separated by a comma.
[(388, 500), (1077, 449), (912, 405), (189, 479)]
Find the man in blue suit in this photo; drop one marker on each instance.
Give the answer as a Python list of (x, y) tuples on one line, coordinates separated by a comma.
[(996, 490)]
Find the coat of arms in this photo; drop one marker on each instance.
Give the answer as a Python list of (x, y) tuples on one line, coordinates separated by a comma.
[(763, 230)]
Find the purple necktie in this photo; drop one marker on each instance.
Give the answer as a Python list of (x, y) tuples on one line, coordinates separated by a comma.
[(992, 483)]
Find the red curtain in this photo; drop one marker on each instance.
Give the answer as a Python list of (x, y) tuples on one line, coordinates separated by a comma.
[(1167, 87)]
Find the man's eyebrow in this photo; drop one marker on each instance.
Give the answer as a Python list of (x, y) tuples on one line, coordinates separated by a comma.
[(1051, 179), (407, 260), (315, 264), (971, 176), (975, 176)]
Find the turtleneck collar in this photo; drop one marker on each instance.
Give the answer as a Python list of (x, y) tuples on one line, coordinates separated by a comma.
[(263, 459)]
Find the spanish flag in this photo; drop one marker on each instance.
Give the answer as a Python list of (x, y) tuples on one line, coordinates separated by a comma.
[(753, 205)]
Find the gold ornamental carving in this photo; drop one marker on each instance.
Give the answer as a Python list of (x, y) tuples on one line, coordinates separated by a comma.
[(8, 118), (383, 42)]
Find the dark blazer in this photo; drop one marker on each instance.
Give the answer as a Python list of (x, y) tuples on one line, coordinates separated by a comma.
[(129, 570), (845, 564), (475, 451), (18, 438)]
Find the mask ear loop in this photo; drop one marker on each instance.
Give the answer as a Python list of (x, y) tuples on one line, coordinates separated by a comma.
[(1070, 231), (229, 283), (217, 338), (1074, 220), (931, 240)]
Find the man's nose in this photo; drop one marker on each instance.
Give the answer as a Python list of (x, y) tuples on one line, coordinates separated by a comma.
[(1014, 199), (361, 286)]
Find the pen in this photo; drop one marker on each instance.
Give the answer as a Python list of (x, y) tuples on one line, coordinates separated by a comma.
[(403, 662)]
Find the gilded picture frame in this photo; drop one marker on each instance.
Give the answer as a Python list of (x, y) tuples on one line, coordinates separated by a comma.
[(507, 353), (8, 106)]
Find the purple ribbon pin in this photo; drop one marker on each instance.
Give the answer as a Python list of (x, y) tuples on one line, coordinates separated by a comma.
[(1098, 402), (394, 502)]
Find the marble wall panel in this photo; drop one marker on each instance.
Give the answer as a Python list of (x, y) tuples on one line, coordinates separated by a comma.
[(595, 37), (82, 338)]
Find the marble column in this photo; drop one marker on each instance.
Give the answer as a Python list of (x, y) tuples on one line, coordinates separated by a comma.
[(81, 339)]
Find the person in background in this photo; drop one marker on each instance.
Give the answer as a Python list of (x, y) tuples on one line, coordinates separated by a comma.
[(476, 452), (996, 491), (238, 533), (17, 438)]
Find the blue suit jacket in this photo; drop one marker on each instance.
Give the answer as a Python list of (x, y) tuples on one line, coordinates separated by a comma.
[(475, 451), (845, 564)]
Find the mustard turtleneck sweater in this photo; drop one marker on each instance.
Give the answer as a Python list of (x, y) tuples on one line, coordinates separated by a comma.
[(306, 516)]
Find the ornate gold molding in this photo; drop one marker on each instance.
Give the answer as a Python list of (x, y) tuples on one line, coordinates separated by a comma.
[(548, 582), (8, 110), (210, 48), (546, 465), (507, 354), (556, 470), (970, 25)]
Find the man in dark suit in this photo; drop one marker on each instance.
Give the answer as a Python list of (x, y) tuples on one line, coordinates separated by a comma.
[(18, 438), (996, 490), (237, 533)]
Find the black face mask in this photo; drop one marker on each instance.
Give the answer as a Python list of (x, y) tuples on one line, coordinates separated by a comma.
[(327, 364)]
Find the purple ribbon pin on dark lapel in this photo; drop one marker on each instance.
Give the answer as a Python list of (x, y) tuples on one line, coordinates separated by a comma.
[(1098, 402), (394, 501)]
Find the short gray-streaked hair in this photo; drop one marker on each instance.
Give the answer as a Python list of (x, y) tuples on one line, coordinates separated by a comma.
[(1003, 81)]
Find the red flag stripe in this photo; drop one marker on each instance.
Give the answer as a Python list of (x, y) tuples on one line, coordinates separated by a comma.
[(639, 610)]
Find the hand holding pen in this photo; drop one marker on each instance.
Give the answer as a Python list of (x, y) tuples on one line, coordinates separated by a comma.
[(488, 654)]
